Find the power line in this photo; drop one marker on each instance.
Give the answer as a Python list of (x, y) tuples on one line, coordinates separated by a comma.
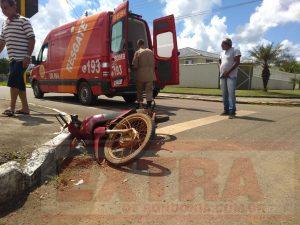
[(200, 13), (73, 9)]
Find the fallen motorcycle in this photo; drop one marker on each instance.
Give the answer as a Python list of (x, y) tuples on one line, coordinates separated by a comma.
[(119, 137)]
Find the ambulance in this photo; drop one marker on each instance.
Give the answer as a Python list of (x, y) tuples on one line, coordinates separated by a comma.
[(93, 56)]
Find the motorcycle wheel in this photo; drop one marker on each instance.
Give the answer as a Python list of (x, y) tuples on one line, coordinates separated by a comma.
[(121, 149)]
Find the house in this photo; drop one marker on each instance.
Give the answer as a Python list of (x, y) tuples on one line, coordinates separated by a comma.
[(194, 56)]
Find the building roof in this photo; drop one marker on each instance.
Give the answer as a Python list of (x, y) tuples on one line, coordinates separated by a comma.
[(192, 52)]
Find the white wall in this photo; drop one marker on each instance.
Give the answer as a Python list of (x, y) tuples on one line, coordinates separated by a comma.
[(278, 80), (204, 75)]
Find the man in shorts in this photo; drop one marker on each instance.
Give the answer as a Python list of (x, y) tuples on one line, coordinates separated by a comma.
[(18, 37)]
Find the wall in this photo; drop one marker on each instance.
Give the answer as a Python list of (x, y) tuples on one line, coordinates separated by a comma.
[(278, 80), (199, 75), (206, 75)]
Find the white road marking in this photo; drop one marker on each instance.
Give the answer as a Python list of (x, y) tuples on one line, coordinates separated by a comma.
[(181, 127)]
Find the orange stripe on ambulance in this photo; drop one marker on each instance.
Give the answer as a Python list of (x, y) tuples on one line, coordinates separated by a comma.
[(76, 45)]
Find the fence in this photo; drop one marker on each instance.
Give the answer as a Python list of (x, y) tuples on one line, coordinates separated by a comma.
[(206, 75)]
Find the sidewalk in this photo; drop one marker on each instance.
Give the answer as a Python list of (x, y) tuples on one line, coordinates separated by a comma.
[(20, 135), (240, 100)]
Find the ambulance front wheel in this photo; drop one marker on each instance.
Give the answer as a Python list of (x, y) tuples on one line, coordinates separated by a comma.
[(85, 94), (37, 90)]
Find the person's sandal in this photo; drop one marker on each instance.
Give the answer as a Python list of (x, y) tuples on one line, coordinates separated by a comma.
[(8, 113), (20, 112)]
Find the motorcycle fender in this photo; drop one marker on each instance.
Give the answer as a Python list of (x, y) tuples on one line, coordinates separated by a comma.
[(99, 133)]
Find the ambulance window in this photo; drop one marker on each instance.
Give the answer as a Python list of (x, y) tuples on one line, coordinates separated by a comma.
[(43, 55), (117, 36), (165, 45)]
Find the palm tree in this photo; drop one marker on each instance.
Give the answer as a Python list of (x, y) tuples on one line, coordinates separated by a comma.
[(264, 55)]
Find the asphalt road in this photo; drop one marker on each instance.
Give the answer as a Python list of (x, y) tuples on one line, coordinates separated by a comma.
[(203, 168)]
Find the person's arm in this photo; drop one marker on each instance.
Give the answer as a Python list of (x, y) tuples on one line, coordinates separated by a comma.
[(31, 41), (2, 41), (135, 61), (237, 62), (27, 59), (2, 45)]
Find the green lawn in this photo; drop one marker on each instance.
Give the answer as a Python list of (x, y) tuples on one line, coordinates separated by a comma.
[(5, 84), (240, 93)]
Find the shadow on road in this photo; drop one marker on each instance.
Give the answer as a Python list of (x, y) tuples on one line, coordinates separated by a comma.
[(255, 119), (109, 104), (145, 167), (31, 121)]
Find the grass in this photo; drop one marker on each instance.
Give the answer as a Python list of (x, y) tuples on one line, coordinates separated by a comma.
[(240, 93), (4, 83)]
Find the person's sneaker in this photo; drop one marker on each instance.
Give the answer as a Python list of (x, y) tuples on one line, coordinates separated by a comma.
[(225, 113)]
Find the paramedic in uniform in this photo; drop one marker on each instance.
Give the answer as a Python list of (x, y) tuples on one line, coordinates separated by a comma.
[(143, 63), (18, 37)]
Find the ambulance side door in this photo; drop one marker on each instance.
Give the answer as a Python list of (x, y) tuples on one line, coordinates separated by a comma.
[(166, 51), (118, 45)]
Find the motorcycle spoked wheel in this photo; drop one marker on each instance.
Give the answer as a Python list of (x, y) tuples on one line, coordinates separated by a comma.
[(122, 149)]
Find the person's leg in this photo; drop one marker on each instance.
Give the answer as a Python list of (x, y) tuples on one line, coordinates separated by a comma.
[(224, 89), (231, 83), (14, 92), (23, 97), (13, 84), (149, 93), (22, 88), (139, 93)]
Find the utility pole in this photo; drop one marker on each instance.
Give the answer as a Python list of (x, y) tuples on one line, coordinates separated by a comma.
[(28, 8)]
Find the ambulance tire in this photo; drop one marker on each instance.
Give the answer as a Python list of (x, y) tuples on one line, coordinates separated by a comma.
[(85, 94), (37, 90), (130, 99)]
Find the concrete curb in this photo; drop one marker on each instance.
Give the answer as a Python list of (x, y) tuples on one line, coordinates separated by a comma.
[(239, 101), (15, 179)]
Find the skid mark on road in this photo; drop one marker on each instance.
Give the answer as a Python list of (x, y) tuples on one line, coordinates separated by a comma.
[(181, 127)]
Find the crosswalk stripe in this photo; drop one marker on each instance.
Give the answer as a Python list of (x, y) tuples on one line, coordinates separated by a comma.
[(181, 127)]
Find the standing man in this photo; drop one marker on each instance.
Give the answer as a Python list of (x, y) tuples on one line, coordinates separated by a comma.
[(143, 63), (229, 62), (18, 37)]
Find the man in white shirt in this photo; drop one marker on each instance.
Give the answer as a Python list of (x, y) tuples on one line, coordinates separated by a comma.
[(229, 63)]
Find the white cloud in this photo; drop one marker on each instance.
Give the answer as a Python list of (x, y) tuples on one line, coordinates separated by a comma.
[(270, 14), (293, 48), (195, 32), (199, 33)]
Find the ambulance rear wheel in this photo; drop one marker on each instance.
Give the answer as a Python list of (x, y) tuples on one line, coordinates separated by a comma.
[(37, 90), (130, 99), (85, 94)]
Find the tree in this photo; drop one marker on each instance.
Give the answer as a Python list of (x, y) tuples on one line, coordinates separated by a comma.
[(290, 67), (4, 66), (265, 55)]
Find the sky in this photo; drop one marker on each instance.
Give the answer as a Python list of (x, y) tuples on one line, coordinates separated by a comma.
[(259, 22)]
